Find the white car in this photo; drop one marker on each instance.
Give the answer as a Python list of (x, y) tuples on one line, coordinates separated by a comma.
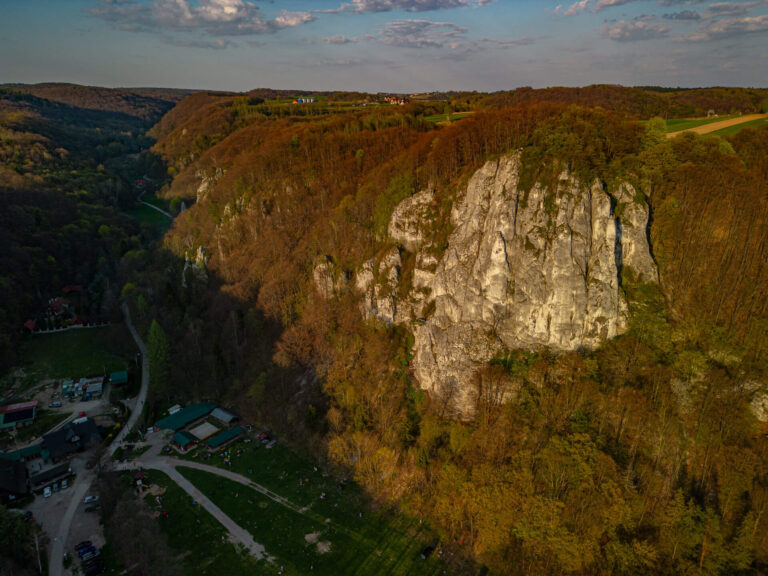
[(89, 499), (47, 492)]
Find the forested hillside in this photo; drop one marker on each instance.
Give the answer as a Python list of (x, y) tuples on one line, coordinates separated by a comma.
[(62, 183), (645, 455)]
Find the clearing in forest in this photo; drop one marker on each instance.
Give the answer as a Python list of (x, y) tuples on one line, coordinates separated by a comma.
[(720, 126)]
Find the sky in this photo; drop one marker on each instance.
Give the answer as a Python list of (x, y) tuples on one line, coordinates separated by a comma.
[(384, 45)]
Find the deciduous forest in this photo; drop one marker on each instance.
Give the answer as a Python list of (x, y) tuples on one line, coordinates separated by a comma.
[(647, 455)]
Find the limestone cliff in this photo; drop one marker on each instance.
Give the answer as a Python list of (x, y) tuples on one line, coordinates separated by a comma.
[(522, 269)]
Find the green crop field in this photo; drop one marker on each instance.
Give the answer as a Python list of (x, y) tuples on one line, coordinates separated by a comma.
[(678, 124), (331, 536), (197, 536), (731, 130), (76, 353)]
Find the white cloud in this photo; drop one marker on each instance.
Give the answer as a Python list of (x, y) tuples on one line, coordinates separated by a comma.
[(409, 5), (216, 17), (634, 30), (729, 27), (419, 34), (339, 39)]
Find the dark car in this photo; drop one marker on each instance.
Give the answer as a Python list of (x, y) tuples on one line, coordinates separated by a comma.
[(83, 544), (427, 552), (83, 551), (95, 560)]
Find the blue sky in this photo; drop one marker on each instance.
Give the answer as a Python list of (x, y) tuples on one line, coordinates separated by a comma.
[(384, 45)]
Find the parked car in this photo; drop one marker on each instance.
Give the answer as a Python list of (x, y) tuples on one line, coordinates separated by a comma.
[(83, 551), (64, 484), (47, 492), (83, 544), (88, 499), (54, 405), (89, 555)]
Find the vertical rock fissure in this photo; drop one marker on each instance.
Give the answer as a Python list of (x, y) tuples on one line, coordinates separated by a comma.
[(618, 253)]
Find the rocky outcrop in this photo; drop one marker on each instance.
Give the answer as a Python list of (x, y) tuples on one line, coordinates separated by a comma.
[(522, 269), (207, 182), (378, 283), (405, 226), (633, 232)]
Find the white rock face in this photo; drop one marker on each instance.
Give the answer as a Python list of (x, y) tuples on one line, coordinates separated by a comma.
[(636, 253), (206, 183), (531, 269), (521, 270), (378, 285), (405, 227)]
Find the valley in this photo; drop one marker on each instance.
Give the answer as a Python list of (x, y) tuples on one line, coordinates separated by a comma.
[(457, 333)]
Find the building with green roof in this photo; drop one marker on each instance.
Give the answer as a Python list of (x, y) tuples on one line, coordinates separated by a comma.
[(224, 437), (185, 416), (183, 440), (119, 378)]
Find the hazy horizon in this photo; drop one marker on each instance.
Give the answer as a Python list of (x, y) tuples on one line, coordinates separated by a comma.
[(384, 45)]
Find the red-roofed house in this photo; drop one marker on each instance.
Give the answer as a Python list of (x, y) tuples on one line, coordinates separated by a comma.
[(18, 414)]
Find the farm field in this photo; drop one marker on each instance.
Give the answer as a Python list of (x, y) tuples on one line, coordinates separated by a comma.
[(335, 536), (731, 130), (197, 536), (678, 124), (76, 353)]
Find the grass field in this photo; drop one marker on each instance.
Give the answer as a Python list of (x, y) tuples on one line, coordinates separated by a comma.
[(438, 118), (678, 124), (196, 535), (731, 130), (335, 536), (44, 421), (146, 215), (155, 201), (75, 353)]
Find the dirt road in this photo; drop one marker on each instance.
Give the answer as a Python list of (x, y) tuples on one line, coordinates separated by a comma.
[(142, 398), (715, 126)]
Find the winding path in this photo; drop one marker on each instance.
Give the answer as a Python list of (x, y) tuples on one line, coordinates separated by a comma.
[(85, 478), (142, 398), (154, 207)]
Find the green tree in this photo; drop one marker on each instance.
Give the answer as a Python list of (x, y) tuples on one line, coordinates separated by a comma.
[(159, 359)]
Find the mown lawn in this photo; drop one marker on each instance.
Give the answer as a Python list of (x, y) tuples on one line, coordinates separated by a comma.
[(333, 536), (76, 353), (146, 215), (155, 201), (678, 124), (196, 535), (731, 130)]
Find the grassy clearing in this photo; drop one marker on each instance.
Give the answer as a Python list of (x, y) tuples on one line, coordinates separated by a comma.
[(440, 118), (341, 539), (731, 130), (146, 215), (678, 124), (155, 201), (197, 536), (45, 420), (75, 353)]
